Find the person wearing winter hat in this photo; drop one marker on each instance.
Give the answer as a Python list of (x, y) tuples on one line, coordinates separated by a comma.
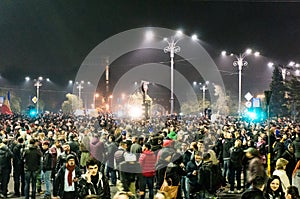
[(66, 180)]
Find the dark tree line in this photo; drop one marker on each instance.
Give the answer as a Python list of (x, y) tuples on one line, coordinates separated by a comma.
[(285, 100)]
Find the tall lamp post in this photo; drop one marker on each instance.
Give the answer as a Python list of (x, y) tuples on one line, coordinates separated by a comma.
[(172, 49), (240, 62), (204, 88), (268, 97), (38, 84), (285, 69), (80, 87)]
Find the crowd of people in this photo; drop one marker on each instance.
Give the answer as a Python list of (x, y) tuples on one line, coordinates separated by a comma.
[(84, 157)]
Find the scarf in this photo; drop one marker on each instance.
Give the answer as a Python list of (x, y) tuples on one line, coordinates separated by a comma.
[(70, 169)]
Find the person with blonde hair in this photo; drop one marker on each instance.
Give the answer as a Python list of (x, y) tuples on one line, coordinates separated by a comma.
[(213, 156), (280, 171), (123, 195)]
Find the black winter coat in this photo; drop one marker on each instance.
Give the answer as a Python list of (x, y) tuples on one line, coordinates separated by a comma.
[(191, 166), (277, 151), (101, 189), (174, 173), (5, 156), (47, 161), (236, 157), (59, 181), (253, 194), (32, 158), (226, 146), (296, 143), (18, 161)]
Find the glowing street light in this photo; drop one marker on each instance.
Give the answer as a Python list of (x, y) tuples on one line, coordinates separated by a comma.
[(286, 69), (38, 84), (27, 79), (240, 62), (204, 88), (172, 48)]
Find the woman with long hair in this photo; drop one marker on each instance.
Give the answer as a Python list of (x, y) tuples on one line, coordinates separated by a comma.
[(274, 188)]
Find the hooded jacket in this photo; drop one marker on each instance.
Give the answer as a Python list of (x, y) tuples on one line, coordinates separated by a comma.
[(101, 189), (97, 149), (32, 158)]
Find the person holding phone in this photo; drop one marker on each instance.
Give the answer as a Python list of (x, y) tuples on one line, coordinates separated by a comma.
[(93, 182)]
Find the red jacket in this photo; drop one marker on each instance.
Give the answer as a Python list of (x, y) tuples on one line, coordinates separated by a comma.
[(147, 161)]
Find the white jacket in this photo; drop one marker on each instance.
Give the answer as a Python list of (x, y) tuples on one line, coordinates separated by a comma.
[(285, 182)]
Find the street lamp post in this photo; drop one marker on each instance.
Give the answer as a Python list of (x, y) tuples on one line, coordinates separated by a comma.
[(285, 69), (204, 88), (38, 84), (80, 87), (172, 49), (240, 62)]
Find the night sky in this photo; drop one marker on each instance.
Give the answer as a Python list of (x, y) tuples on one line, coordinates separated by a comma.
[(51, 38)]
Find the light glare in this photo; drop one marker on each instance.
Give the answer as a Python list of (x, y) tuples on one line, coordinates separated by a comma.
[(149, 35), (292, 63), (270, 64), (179, 33), (194, 37), (135, 112), (256, 54), (248, 51), (223, 53)]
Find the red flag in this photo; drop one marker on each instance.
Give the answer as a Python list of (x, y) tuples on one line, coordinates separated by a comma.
[(5, 109)]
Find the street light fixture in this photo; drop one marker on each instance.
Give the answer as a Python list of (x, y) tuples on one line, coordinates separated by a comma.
[(80, 87), (286, 69), (204, 88), (37, 84), (172, 48), (240, 62)]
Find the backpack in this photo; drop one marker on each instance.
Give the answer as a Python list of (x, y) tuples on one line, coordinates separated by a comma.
[(210, 177)]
